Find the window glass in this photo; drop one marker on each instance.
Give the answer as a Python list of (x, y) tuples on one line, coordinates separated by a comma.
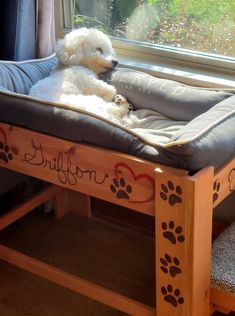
[(198, 25)]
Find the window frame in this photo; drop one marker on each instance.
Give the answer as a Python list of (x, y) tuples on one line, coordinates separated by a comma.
[(189, 67)]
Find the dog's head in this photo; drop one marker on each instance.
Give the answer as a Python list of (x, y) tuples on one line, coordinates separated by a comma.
[(87, 47)]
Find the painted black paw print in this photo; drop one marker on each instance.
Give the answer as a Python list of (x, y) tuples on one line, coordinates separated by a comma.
[(172, 296), (172, 233), (216, 188), (121, 189), (171, 193), (5, 153), (170, 265)]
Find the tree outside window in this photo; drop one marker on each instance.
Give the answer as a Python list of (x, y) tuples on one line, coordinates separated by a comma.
[(198, 25)]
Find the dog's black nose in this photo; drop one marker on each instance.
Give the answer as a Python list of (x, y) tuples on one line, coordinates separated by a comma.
[(114, 62)]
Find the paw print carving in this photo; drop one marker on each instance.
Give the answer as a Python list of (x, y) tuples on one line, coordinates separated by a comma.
[(172, 296), (171, 193), (216, 188), (170, 265), (5, 153), (172, 233), (121, 189)]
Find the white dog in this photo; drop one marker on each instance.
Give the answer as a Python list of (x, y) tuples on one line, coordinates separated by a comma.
[(83, 54)]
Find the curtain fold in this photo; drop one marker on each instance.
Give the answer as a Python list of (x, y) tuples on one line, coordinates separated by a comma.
[(45, 28)]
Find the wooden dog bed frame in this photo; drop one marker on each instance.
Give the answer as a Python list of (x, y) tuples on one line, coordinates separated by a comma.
[(181, 203)]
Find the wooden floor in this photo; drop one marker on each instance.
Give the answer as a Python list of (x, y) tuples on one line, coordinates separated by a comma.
[(80, 246)]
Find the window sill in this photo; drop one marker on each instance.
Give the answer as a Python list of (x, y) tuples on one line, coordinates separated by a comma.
[(180, 65), (185, 75)]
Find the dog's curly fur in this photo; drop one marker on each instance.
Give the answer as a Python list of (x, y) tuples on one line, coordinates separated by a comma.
[(83, 54)]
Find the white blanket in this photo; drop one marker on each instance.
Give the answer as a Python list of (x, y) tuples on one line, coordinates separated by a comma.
[(152, 126)]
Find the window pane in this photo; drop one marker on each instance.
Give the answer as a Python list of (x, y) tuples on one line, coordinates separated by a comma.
[(199, 25)]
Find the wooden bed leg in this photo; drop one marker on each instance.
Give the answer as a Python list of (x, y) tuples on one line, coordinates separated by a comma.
[(183, 243), (72, 202), (61, 204), (79, 203)]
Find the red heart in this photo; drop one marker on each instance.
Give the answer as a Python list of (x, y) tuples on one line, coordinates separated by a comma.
[(231, 179), (136, 178), (4, 136)]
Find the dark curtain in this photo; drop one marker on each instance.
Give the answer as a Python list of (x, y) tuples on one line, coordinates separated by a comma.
[(17, 29), (27, 29)]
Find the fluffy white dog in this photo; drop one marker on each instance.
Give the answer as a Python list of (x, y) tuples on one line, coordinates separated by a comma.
[(83, 54)]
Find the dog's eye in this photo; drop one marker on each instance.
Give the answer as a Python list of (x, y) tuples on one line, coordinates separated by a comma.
[(99, 50)]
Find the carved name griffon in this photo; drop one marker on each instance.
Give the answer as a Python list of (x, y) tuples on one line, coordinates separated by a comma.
[(67, 171)]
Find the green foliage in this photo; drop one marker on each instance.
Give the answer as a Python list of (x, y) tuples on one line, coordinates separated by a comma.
[(86, 21), (205, 25), (124, 8), (204, 10), (152, 2)]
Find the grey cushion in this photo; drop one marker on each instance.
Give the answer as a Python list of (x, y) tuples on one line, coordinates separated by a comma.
[(4, 89), (207, 139), (20, 76), (171, 98)]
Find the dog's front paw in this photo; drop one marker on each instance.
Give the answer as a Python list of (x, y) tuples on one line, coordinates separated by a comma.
[(122, 102), (109, 94)]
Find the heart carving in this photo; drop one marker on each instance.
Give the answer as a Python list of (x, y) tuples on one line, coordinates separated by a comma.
[(122, 167), (2, 132), (231, 179)]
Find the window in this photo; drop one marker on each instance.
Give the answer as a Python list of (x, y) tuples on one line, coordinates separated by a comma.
[(188, 40), (200, 25)]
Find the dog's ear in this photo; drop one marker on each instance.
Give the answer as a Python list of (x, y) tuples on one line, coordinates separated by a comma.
[(69, 50)]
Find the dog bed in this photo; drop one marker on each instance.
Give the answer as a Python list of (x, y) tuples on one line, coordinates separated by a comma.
[(172, 124)]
